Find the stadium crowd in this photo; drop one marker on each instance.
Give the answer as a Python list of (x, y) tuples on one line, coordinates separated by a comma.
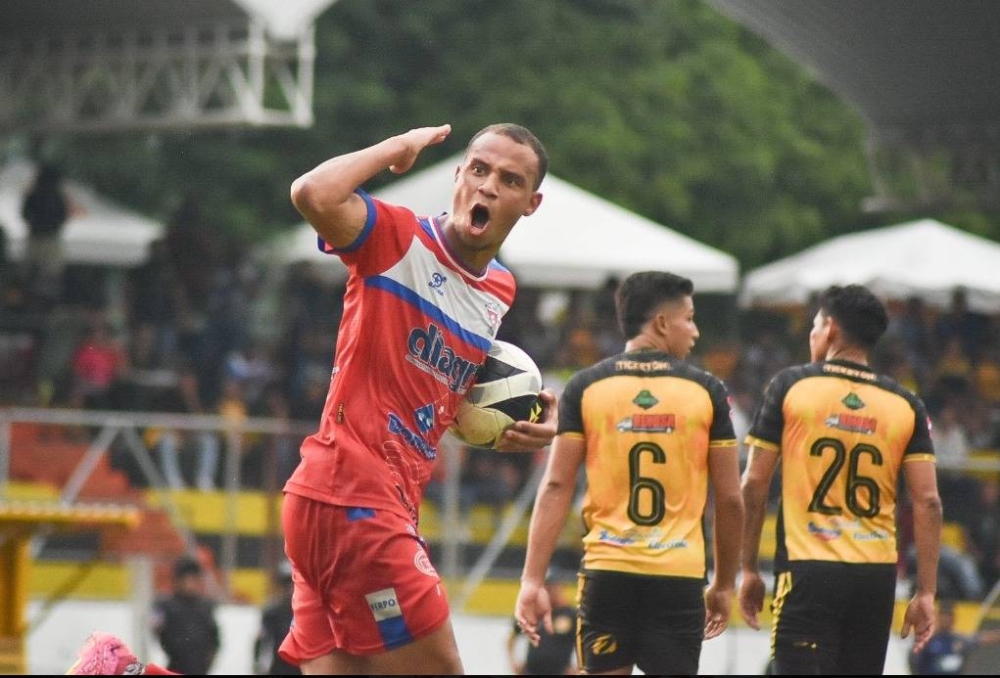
[(203, 327)]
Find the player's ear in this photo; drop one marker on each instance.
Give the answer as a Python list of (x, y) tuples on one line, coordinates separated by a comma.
[(536, 200)]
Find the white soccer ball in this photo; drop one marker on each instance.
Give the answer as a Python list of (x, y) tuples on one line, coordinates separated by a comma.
[(506, 390)]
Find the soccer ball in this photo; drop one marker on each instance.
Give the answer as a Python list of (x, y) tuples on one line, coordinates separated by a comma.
[(506, 390)]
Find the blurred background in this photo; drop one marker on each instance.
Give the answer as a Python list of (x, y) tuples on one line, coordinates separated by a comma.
[(167, 326)]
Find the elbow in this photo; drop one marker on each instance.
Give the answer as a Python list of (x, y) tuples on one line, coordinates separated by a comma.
[(932, 505), (731, 504), (303, 193)]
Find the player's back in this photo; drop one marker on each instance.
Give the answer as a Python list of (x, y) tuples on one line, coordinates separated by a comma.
[(649, 421), (844, 432)]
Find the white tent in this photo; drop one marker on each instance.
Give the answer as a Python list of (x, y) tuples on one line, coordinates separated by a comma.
[(922, 258), (574, 240), (97, 231)]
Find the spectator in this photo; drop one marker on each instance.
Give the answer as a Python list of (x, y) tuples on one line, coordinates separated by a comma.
[(946, 651), (184, 622), (982, 529), (186, 399), (45, 210), (275, 620), (98, 363)]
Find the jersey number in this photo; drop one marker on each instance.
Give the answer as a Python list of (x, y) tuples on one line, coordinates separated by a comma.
[(640, 484), (855, 481)]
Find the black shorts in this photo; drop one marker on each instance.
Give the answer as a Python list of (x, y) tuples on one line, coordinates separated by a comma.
[(655, 623), (832, 618)]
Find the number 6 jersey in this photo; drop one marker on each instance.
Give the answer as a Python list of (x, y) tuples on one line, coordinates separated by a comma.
[(843, 433)]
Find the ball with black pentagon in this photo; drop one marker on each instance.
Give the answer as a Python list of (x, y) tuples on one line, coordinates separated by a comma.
[(505, 391)]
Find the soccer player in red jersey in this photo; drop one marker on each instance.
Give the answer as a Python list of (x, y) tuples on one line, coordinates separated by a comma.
[(423, 303)]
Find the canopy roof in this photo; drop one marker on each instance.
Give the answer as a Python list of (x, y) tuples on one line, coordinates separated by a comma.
[(98, 231), (574, 240), (922, 258)]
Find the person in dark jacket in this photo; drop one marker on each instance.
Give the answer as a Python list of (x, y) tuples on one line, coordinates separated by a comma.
[(184, 622), (275, 621)]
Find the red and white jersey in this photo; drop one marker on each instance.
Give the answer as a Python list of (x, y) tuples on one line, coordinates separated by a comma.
[(416, 326)]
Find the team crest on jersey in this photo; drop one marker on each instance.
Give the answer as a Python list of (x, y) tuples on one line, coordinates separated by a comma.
[(853, 402), (852, 422), (493, 315), (648, 423), (645, 400), (437, 282), (424, 417)]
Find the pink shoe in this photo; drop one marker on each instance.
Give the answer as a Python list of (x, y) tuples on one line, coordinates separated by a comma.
[(106, 655)]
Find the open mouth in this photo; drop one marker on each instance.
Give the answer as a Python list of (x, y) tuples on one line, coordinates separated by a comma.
[(480, 218)]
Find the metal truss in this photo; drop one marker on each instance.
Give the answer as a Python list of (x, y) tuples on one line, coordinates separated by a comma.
[(227, 73), (931, 167)]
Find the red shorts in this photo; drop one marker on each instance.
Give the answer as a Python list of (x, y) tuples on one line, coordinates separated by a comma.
[(363, 580)]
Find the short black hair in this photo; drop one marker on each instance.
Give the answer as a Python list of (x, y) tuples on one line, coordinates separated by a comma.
[(521, 135), (186, 566), (860, 314), (641, 293)]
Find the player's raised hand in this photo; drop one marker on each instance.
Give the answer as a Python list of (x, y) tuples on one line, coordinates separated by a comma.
[(527, 436), (415, 141)]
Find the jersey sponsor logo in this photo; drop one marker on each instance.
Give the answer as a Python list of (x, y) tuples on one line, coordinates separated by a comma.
[(384, 604), (424, 417), (645, 399), (413, 439), (872, 535), (605, 643), (853, 401), (428, 351), (423, 563), (616, 539), (669, 545), (852, 422), (824, 533), (437, 281), (648, 423)]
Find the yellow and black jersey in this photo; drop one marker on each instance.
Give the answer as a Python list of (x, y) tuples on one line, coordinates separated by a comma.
[(843, 433), (648, 421)]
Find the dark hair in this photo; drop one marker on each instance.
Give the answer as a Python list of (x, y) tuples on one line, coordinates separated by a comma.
[(521, 135), (860, 314), (640, 293), (185, 566)]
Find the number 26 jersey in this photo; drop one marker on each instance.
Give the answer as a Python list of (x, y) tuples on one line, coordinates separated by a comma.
[(843, 433)]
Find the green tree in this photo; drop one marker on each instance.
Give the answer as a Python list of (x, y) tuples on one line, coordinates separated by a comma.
[(663, 106)]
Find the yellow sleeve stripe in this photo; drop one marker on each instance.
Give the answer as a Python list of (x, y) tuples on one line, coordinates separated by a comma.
[(729, 442), (920, 456), (573, 435), (764, 444)]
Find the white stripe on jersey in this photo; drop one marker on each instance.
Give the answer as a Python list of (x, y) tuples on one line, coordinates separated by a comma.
[(420, 271)]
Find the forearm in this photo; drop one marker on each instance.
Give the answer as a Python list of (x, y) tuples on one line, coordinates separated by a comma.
[(927, 517), (755, 510), (326, 196), (728, 537), (335, 180), (547, 520)]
